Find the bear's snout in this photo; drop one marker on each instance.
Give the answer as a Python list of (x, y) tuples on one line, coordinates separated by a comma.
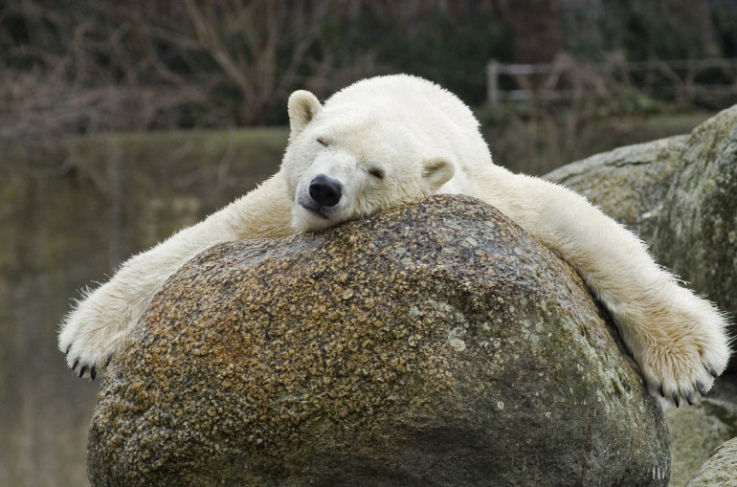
[(325, 191)]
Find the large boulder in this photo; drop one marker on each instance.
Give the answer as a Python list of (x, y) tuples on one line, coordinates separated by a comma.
[(696, 233), (629, 183), (695, 432), (437, 344)]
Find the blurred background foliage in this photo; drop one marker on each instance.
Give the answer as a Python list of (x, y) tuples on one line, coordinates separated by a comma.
[(136, 64), (85, 66)]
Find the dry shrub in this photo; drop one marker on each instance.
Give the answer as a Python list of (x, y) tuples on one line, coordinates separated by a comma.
[(91, 66), (574, 111)]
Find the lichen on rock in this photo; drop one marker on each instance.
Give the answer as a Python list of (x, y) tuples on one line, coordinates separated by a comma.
[(437, 344)]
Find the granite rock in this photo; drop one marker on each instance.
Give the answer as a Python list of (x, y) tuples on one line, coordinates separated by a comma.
[(696, 234), (437, 344), (629, 183)]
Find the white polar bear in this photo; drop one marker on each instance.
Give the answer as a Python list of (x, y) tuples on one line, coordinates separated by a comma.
[(389, 141)]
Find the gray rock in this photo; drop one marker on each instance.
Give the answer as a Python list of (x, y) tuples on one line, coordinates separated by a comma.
[(696, 233), (679, 195), (629, 183), (434, 345), (695, 432), (720, 470)]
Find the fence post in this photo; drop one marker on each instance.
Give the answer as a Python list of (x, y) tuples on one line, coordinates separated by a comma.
[(492, 82)]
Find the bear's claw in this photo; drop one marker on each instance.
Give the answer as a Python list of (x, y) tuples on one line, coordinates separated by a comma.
[(682, 351), (89, 349), (86, 370), (681, 376)]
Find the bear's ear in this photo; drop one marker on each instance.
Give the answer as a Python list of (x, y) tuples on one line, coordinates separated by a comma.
[(302, 107), (436, 172)]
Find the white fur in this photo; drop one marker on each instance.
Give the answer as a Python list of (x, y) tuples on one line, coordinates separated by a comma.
[(393, 140)]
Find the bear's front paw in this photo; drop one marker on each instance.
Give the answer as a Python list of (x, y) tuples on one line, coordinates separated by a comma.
[(685, 351), (87, 368), (677, 375), (86, 354), (90, 340)]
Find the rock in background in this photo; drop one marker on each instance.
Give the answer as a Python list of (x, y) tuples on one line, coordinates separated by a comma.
[(680, 195), (696, 432), (720, 470), (437, 344), (696, 233), (629, 183)]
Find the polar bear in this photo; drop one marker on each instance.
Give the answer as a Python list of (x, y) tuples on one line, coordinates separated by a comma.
[(392, 140)]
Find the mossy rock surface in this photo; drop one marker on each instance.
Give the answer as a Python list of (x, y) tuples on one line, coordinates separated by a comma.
[(437, 344), (696, 234)]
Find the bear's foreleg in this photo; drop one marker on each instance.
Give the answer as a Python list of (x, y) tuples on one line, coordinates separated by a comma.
[(678, 339), (97, 328)]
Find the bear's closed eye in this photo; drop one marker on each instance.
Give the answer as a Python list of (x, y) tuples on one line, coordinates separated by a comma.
[(377, 173)]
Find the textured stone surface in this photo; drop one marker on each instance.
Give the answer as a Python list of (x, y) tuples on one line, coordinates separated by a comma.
[(695, 432), (629, 184), (720, 470), (678, 194), (696, 233), (436, 345)]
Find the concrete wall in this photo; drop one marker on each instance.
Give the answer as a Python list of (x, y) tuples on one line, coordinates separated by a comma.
[(69, 213)]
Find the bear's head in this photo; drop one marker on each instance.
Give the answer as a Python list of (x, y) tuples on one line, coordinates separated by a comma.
[(345, 162)]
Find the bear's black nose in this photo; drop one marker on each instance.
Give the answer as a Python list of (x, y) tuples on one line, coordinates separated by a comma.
[(325, 191)]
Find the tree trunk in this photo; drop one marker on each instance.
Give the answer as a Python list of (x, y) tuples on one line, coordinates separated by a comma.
[(536, 28)]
